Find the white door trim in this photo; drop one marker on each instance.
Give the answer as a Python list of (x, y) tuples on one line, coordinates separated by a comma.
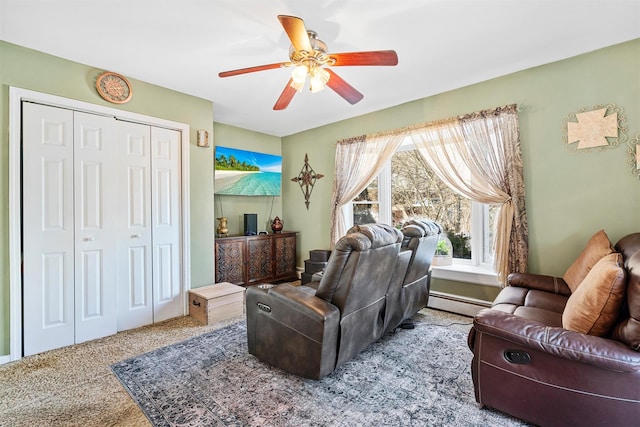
[(16, 97)]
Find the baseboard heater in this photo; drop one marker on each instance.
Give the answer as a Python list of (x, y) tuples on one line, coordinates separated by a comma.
[(456, 304)]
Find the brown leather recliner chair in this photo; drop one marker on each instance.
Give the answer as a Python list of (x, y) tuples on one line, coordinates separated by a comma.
[(527, 365), (310, 333), (409, 292)]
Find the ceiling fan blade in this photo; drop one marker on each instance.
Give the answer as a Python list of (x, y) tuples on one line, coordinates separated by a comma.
[(294, 27), (251, 69), (343, 88), (285, 97), (376, 57)]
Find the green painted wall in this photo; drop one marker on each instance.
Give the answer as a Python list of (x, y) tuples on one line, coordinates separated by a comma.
[(234, 207), (569, 195), (37, 71)]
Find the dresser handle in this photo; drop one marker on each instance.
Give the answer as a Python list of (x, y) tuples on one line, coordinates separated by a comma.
[(196, 303)]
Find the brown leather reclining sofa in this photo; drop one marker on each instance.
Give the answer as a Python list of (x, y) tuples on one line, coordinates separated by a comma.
[(376, 278), (565, 351)]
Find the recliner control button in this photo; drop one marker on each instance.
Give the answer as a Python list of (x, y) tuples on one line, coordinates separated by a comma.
[(519, 357), (264, 307)]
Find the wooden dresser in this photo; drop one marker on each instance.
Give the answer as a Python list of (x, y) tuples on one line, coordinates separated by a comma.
[(251, 260)]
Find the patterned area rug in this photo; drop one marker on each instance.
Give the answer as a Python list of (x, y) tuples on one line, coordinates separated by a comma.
[(413, 377)]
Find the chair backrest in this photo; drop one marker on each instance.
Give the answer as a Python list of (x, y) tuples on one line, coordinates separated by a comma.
[(421, 236), (409, 288), (361, 247), (356, 281)]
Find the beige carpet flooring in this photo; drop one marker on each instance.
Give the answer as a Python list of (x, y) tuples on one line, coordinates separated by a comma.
[(74, 386)]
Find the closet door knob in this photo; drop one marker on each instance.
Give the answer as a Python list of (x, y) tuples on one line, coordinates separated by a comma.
[(88, 239), (135, 236)]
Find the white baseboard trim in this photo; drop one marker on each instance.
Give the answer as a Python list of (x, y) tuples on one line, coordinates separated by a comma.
[(5, 359), (456, 304)]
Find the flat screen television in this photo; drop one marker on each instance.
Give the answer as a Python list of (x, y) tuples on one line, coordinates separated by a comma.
[(247, 173)]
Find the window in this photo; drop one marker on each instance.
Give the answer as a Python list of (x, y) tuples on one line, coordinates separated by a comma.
[(408, 188), (366, 207)]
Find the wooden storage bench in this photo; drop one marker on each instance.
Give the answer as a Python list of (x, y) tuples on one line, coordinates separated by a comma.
[(217, 302)]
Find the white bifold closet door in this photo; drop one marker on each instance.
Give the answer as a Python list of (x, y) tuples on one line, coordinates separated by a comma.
[(101, 240), (165, 219), (69, 286), (135, 298), (148, 236)]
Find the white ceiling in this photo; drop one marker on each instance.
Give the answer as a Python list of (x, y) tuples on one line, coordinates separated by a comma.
[(441, 45)]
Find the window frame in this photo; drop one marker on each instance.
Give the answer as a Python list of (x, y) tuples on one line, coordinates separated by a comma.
[(476, 270)]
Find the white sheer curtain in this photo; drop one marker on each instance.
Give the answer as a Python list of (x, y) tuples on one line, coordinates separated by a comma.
[(358, 162), (478, 156)]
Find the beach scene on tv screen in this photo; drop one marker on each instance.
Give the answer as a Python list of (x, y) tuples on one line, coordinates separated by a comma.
[(247, 173)]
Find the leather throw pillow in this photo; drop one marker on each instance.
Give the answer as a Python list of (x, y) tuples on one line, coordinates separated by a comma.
[(595, 305), (597, 247)]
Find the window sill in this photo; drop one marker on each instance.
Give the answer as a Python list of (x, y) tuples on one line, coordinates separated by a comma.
[(466, 273)]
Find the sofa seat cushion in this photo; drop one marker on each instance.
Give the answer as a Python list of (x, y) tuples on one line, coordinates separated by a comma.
[(546, 317), (511, 296), (541, 306), (594, 307), (597, 247), (541, 299)]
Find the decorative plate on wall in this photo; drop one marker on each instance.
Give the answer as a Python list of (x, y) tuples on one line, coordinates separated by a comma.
[(114, 88)]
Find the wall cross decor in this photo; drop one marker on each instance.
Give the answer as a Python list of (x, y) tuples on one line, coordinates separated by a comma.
[(600, 127), (306, 179)]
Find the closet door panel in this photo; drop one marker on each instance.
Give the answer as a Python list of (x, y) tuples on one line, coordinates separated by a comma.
[(54, 205), (53, 289), (165, 194), (135, 302), (164, 258), (47, 223), (138, 290), (95, 224), (93, 305)]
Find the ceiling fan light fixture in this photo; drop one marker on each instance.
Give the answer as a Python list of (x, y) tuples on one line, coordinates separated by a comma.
[(299, 76), (298, 86), (318, 78)]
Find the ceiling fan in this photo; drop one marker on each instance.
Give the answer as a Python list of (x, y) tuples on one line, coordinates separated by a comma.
[(309, 57)]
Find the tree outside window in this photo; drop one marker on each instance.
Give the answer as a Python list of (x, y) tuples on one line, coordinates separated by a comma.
[(417, 193)]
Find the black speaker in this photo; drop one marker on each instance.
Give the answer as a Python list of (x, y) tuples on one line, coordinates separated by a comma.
[(250, 224)]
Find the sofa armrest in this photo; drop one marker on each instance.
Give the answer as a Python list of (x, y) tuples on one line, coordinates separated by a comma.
[(293, 302), (603, 353), (540, 282)]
